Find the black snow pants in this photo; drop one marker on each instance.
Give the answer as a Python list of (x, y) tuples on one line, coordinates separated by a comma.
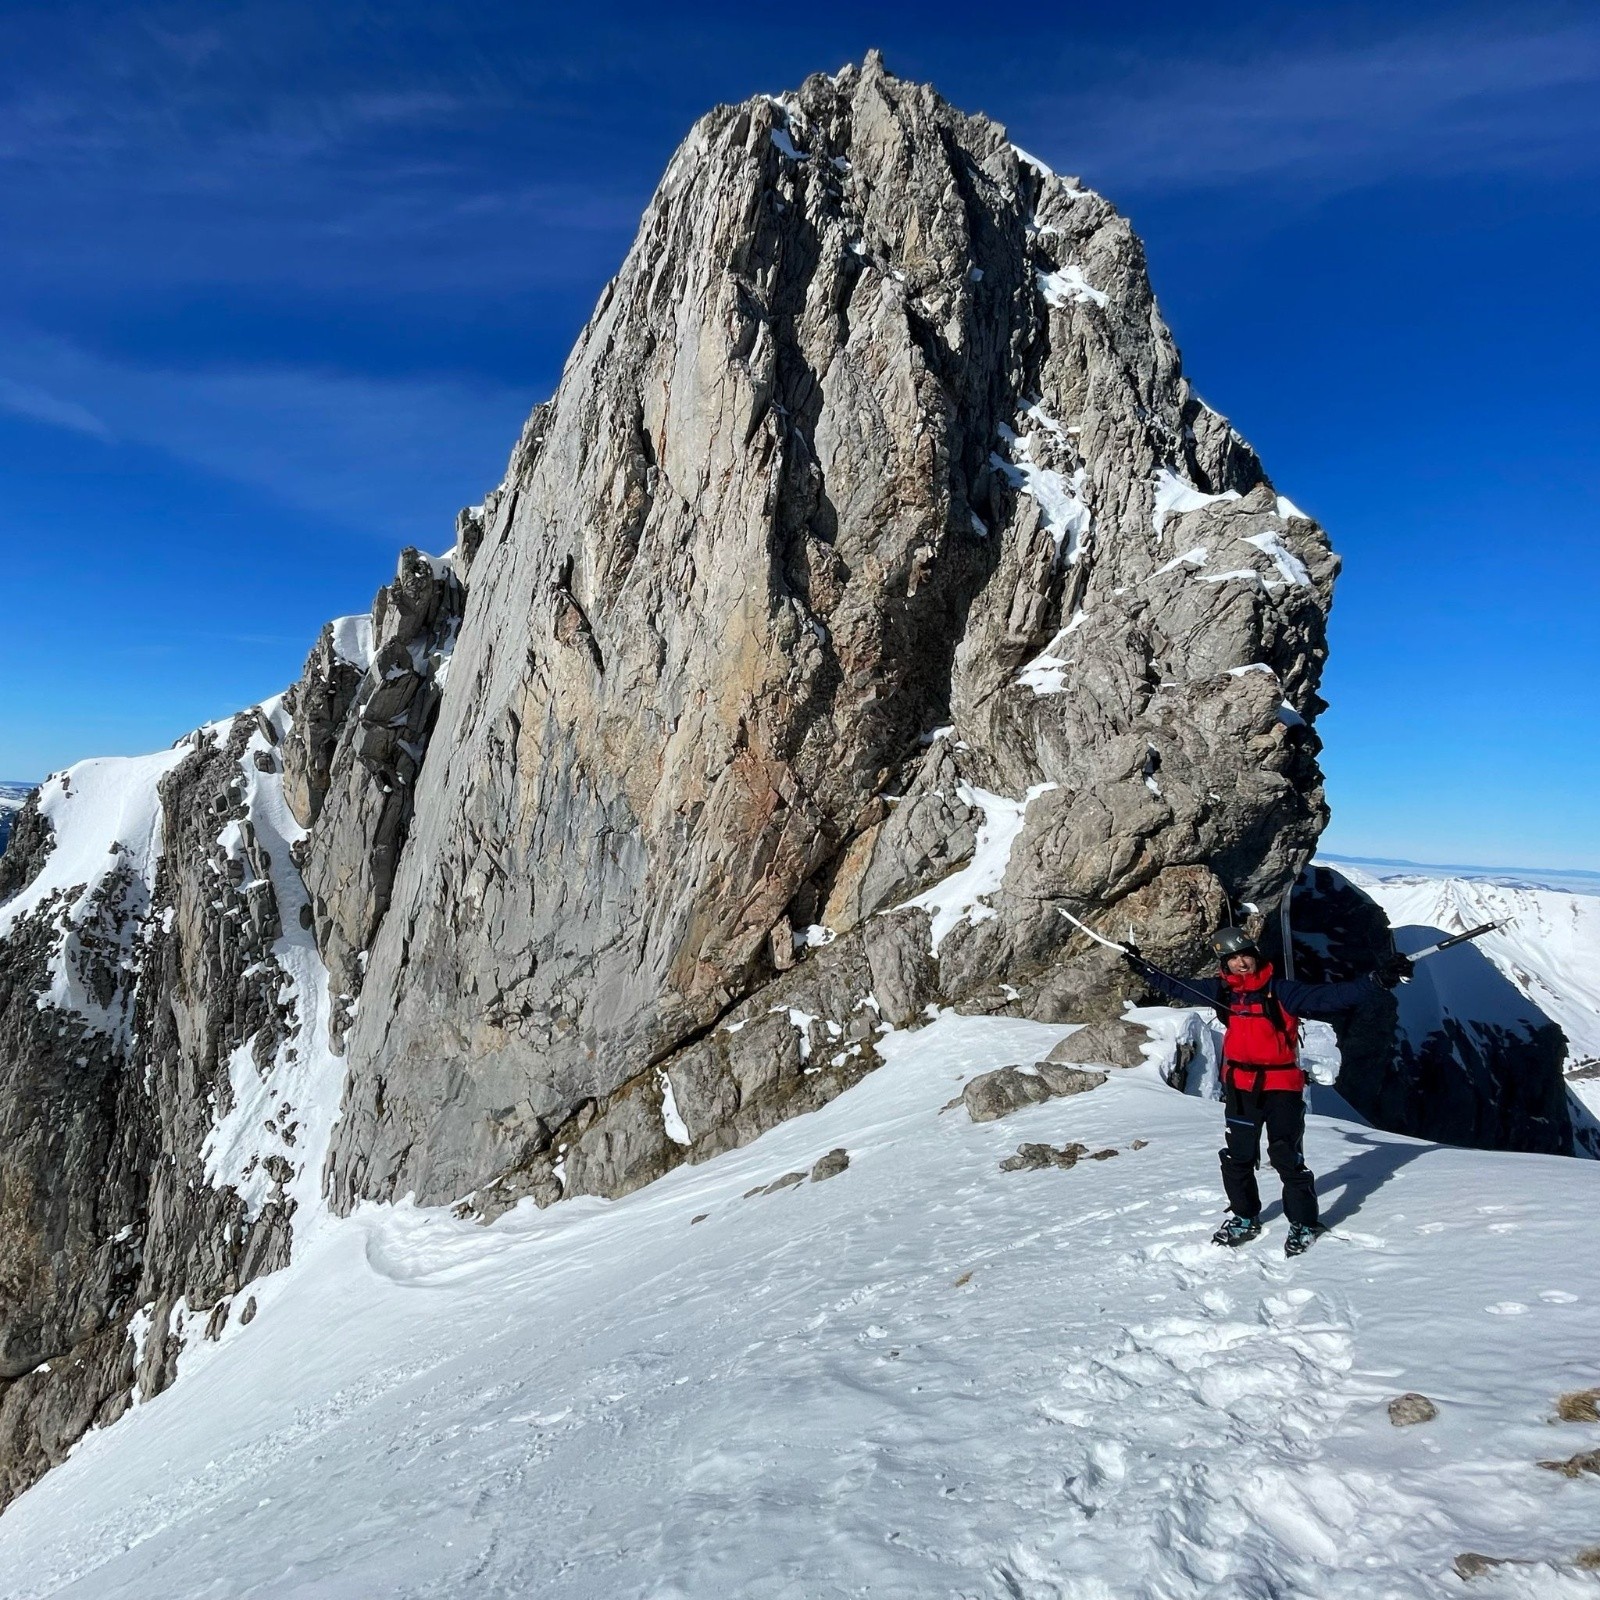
[(1282, 1112)]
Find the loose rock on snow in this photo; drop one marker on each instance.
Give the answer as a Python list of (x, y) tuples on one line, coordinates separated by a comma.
[(1579, 1406), (1409, 1409), (993, 1095), (830, 1165), (1036, 1157), (1575, 1466), (1113, 1043)]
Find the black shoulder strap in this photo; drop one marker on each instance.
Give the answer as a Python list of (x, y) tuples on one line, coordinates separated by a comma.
[(1221, 1001), (1274, 1010)]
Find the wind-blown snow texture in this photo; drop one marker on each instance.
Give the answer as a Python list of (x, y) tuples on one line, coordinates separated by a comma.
[(925, 1376)]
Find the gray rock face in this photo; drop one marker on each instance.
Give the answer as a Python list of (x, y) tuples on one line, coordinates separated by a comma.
[(877, 432), (352, 758)]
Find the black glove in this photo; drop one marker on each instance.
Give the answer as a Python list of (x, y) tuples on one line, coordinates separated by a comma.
[(1131, 954), (1393, 970)]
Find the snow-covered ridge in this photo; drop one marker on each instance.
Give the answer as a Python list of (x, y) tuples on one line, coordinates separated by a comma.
[(1549, 951), (922, 1376), (97, 810), (1568, 881), (105, 817)]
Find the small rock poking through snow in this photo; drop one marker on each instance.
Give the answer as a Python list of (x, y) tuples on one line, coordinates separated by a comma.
[(1408, 1410)]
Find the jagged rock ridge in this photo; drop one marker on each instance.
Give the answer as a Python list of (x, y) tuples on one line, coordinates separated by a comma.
[(168, 1020), (872, 529)]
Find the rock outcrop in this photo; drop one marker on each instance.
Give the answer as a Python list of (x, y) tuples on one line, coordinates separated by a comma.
[(167, 1024), (992, 1095), (1115, 1042), (873, 585), (873, 588)]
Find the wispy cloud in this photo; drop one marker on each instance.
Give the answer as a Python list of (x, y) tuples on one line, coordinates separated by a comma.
[(24, 400), (393, 457), (220, 182), (1428, 104)]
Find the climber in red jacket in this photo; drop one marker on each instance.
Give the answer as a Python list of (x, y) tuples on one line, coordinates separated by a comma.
[(1263, 1084)]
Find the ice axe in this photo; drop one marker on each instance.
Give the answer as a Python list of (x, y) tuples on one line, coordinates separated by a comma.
[(1132, 952), (1099, 938)]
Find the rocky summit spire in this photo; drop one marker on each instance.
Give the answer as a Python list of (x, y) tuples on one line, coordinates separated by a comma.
[(872, 590), (873, 586)]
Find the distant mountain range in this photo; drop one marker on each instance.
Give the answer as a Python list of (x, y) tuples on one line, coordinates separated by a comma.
[(1575, 880)]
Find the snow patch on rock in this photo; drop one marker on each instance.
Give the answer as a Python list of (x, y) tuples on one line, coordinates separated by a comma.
[(1174, 497), (963, 896)]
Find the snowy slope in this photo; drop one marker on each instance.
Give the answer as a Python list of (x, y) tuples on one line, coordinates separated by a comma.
[(923, 1377), (105, 817), (1550, 952)]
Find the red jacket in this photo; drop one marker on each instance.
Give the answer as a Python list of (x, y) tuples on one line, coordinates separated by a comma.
[(1261, 1045), (1251, 1039)]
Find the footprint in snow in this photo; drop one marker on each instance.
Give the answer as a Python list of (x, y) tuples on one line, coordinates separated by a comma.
[(1557, 1297), (1506, 1308), (1362, 1241)]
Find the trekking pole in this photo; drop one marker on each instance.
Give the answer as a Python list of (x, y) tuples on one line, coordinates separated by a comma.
[(1458, 938)]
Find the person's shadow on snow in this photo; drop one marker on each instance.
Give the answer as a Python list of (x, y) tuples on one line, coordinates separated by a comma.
[(1370, 1162)]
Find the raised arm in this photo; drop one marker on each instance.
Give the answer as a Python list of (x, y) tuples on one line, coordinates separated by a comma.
[(1181, 991), (1324, 1001)]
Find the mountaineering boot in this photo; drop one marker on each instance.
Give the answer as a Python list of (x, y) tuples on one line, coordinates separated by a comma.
[(1302, 1235), (1237, 1230)]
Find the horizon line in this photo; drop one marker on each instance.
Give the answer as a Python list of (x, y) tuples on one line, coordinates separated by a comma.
[(1453, 866)]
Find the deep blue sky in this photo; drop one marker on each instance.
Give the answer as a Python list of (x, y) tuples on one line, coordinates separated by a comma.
[(280, 281)]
